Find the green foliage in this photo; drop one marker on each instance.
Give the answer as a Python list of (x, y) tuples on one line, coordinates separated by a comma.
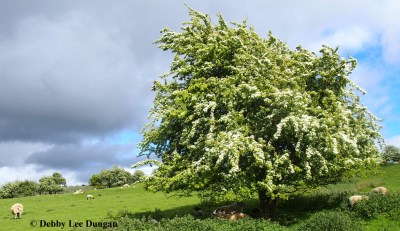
[(19, 189), (49, 185), (27, 188), (239, 115), (58, 179), (189, 223), (111, 178), (330, 220), (9, 190), (379, 205), (52, 184), (391, 153), (138, 176), (317, 201)]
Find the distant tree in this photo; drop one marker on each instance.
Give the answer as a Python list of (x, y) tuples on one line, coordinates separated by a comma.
[(240, 116), (59, 179), (110, 178), (138, 176), (9, 190), (391, 153), (27, 188), (48, 185), (19, 189)]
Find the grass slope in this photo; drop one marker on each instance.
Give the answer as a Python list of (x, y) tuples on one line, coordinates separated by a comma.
[(109, 204)]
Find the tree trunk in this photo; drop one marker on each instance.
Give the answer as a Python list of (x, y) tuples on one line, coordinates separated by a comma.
[(268, 206)]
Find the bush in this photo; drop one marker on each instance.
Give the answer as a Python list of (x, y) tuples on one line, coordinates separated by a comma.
[(330, 220), (188, 223), (111, 178), (378, 205), (391, 153), (19, 189), (316, 201)]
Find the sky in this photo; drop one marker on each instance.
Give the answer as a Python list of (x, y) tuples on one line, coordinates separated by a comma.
[(76, 76)]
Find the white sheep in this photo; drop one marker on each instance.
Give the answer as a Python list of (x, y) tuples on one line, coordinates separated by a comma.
[(356, 198), (17, 210), (89, 197), (125, 186), (380, 190), (230, 216), (236, 207), (79, 191)]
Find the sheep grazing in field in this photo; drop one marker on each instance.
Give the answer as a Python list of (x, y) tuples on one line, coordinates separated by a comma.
[(380, 190), (356, 198), (79, 191), (16, 210), (236, 207), (89, 197), (198, 212)]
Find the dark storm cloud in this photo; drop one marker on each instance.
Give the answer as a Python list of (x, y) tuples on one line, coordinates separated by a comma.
[(82, 73), (85, 159), (78, 157)]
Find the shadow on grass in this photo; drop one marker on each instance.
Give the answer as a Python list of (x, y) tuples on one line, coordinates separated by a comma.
[(290, 212)]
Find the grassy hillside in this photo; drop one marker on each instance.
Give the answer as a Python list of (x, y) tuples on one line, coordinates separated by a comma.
[(110, 204), (107, 203)]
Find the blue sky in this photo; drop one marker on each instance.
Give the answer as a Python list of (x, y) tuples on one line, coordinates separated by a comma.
[(75, 76)]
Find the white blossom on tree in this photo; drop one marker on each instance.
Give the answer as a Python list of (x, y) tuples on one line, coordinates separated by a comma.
[(239, 115)]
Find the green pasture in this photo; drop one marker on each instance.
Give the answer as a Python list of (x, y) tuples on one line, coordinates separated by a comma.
[(134, 202)]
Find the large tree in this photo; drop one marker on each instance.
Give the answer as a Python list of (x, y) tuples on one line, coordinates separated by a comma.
[(239, 115)]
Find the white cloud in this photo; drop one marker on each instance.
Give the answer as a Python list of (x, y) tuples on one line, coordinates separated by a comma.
[(26, 172), (349, 39), (146, 169), (394, 140)]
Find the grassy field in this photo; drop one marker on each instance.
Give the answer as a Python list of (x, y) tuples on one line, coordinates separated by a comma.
[(47, 212)]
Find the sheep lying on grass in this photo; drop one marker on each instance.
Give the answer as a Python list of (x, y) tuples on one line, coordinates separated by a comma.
[(356, 198), (219, 213), (79, 191), (380, 190), (236, 207), (16, 210), (89, 197)]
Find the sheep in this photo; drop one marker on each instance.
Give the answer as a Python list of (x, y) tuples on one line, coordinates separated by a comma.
[(79, 191), (219, 213), (198, 212), (16, 210), (125, 186), (356, 198), (380, 190), (236, 207), (89, 197)]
